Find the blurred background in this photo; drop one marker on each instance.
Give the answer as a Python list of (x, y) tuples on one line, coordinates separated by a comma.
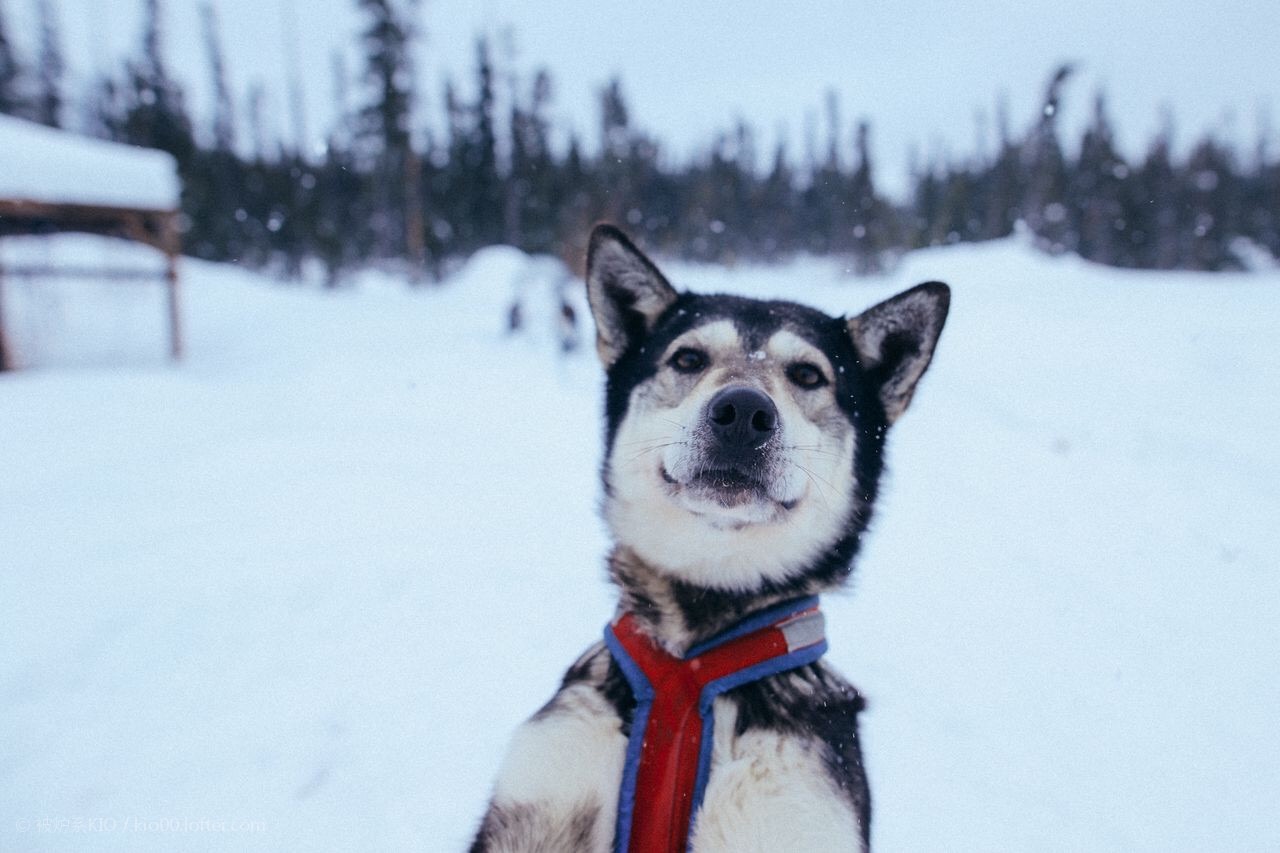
[(351, 133), (300, 435)]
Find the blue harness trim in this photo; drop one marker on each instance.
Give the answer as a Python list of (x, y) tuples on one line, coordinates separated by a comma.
[(643, 692)]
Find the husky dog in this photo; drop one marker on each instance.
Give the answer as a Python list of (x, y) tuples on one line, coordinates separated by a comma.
[(743, 444)]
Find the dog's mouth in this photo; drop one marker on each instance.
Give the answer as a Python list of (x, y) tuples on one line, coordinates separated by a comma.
[(726, 487), (729, 480)]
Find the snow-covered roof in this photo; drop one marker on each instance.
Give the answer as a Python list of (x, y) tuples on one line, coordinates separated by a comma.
[(42, 164)]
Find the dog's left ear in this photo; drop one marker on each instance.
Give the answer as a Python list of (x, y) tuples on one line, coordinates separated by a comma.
[(626, 292), (895, 341)]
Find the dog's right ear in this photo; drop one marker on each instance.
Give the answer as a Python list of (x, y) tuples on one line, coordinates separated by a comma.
[(626, 292)]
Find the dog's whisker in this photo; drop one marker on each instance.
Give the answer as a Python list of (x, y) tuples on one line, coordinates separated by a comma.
[(814, 478), (649, 450), (829, 484), (809, 448), (640, 441), (816, 475), (817, 451)]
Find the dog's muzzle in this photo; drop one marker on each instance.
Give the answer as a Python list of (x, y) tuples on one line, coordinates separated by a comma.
[(738, 424)]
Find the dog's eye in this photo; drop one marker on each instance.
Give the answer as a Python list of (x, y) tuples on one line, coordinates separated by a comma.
[(688, 360), (806, 375)]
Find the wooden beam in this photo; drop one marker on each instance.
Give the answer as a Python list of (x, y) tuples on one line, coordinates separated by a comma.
[(20, 208), (143, 225)]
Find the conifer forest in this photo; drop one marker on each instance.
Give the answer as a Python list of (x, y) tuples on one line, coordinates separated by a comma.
[(386, 189)]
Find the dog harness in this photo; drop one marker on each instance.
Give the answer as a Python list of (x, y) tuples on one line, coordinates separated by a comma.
[(669, 749)]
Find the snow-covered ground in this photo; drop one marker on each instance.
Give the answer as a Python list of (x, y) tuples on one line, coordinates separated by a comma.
[(311, 578)]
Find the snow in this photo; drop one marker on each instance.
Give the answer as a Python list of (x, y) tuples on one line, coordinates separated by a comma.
[(47, 165), (312, 577)]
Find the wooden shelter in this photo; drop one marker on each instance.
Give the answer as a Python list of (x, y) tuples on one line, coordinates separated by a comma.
[(53, 182)]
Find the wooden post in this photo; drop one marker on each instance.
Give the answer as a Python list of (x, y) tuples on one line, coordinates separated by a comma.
[(6, 355), (415, 226), (172, 249)]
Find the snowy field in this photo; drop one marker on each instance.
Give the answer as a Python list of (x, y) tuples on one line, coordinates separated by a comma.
[(307, 582)]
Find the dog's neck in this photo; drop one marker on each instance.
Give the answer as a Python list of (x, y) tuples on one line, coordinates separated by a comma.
[(679, 615)]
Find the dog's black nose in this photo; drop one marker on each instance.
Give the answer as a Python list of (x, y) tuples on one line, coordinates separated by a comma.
[(742, 418)]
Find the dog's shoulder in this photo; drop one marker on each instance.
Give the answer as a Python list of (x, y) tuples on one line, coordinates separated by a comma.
[(814, 711), (812, 699), (558, 783), (593, 677)]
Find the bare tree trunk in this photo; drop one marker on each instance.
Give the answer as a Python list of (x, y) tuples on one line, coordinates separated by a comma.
[(415, 236)]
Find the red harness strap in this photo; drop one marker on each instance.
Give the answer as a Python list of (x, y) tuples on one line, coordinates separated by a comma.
[(668, 755)]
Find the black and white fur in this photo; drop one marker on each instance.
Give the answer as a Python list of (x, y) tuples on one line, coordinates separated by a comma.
[(743, 448)]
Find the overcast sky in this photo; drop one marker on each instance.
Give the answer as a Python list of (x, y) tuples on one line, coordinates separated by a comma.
[(919, 70)]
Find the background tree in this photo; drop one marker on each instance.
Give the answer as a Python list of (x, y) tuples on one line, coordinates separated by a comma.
[(1096, 193), (50, 68), (11, 71), (533, 190), (1153, 206), (383, 131), (392, 188), (871, 220), (1261, 196), (155, 115), (1045, 202)]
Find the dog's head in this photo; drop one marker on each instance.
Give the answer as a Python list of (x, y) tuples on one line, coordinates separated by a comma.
[(743, 437)]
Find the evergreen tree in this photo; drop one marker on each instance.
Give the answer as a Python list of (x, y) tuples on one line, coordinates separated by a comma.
[(1004, 184), (1045, 203), (533, 190), (255, 115), (575, 215), (774, 231), (50, 68), (1096, 193), (156, 116), (818, 219), (215, 179), (960, 215), (1153, 208), (384, 123), (1211, 205), (339, 185), (926, 208), (482, 152), (869, 217), (224, 130), (718, 208), (615, 151), (1261, 197), (469, 188), (11, 72), (104, 108), (386, 119)]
